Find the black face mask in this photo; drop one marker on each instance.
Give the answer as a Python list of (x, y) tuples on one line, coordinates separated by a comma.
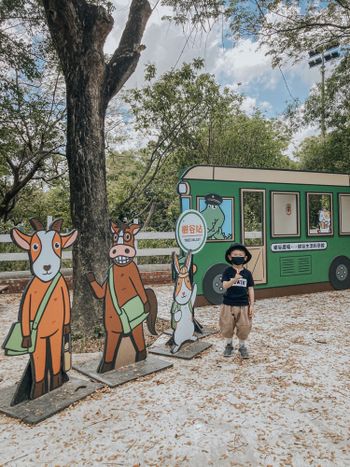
[(238, 260)]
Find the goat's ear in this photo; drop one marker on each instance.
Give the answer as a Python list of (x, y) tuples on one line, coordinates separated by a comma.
[(194, 269), (69, 239), (21, 239), (176, 262)]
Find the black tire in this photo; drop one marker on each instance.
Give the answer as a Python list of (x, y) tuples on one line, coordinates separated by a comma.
[(339, 273), (212, 285)]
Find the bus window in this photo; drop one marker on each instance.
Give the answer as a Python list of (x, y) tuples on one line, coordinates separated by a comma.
[(252, 217), (285, 214), (185, 203), (344, 212), (320, 216), (218, 214)]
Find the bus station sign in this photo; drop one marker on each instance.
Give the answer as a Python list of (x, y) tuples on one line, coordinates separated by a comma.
[(300, 246), (191, 231)]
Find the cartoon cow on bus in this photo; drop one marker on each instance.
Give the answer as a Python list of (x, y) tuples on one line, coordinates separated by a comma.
[(126, 302), (44, 314)]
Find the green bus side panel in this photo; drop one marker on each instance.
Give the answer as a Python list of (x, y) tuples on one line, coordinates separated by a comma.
[(282, 268)]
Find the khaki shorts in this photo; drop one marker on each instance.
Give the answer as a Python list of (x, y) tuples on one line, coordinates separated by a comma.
[(235, 317)]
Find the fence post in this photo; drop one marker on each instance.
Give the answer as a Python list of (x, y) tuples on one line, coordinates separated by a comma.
[(48, 222)]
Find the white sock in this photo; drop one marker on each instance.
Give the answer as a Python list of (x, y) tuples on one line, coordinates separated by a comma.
[(241, 343), (229, 340)]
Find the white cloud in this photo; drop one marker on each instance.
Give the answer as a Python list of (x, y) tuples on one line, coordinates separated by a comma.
[(244, 67), (167, 45), (299, 137), (244, 63), (249, 105)]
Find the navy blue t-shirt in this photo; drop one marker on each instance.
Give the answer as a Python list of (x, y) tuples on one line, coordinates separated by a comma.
[(237, 295)]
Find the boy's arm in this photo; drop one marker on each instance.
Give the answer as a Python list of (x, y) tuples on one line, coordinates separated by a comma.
[(229, 283), (251, 296)]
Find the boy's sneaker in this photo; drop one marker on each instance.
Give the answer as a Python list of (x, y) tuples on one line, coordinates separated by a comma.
[(243, 351), (228, 350)]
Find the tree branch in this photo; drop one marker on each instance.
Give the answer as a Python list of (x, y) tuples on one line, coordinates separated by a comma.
[(77, 28), (124, 60)]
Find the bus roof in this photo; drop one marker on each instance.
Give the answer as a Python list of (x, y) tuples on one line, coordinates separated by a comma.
[(210, 172)]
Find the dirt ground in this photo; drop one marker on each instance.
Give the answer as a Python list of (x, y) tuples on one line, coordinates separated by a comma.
[(287, 405)]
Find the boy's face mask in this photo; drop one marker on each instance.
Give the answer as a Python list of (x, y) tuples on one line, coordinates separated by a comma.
[(238, 260)]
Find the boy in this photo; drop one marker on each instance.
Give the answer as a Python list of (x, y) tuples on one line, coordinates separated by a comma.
[(238, 300)]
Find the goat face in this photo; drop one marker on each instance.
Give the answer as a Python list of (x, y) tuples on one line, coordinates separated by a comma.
[(44, 248)]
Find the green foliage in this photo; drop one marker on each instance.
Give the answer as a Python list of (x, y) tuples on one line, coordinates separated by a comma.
[(32, 106), (290, 28), (190, 120), (336, 99), (173, 106), (169, 111), (198, 13), (32, 135), (19, 20), (329, 155), (244, 141)]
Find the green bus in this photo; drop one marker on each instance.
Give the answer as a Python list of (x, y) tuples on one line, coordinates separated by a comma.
[(296, 225)]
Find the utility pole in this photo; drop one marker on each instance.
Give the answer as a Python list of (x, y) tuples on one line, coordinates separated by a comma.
[(319, 57), (323, 109)]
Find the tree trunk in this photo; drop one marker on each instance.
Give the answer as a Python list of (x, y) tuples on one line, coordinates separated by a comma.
[(88, 193), (79, 30)]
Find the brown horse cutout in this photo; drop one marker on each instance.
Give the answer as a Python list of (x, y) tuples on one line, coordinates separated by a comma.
[(126, 302), (45, 305)]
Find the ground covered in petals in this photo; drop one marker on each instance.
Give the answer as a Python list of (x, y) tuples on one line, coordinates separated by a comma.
[(287, 405)]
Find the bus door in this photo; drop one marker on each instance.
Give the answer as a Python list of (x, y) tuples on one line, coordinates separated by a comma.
[(253, 231)]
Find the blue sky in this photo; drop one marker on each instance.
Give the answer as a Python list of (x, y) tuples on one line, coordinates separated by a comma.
[(243, 66)]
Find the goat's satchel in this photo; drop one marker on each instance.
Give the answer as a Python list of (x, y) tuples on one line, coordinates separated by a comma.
[(132, 313), (13, 342)]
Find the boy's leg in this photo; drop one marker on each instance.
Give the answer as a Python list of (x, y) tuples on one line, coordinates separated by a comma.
[(244, 326), (227, 325)]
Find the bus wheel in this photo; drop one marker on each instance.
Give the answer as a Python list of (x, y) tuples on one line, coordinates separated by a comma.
[(339, 273), (212, 285)]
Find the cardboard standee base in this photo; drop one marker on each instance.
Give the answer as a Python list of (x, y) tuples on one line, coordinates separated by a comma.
[(122, 375), (37, 410), (187, 351), (206, 331)]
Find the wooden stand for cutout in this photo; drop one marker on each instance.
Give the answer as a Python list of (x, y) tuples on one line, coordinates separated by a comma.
[(187, 351), (206, 331), (36, 410), (124, 374), (43, 330)]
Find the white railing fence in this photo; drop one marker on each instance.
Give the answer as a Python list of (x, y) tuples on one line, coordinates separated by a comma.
[(67, 255)]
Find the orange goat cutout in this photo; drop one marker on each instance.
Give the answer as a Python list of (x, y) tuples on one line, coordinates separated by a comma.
[(126, 302), (45, 300)]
